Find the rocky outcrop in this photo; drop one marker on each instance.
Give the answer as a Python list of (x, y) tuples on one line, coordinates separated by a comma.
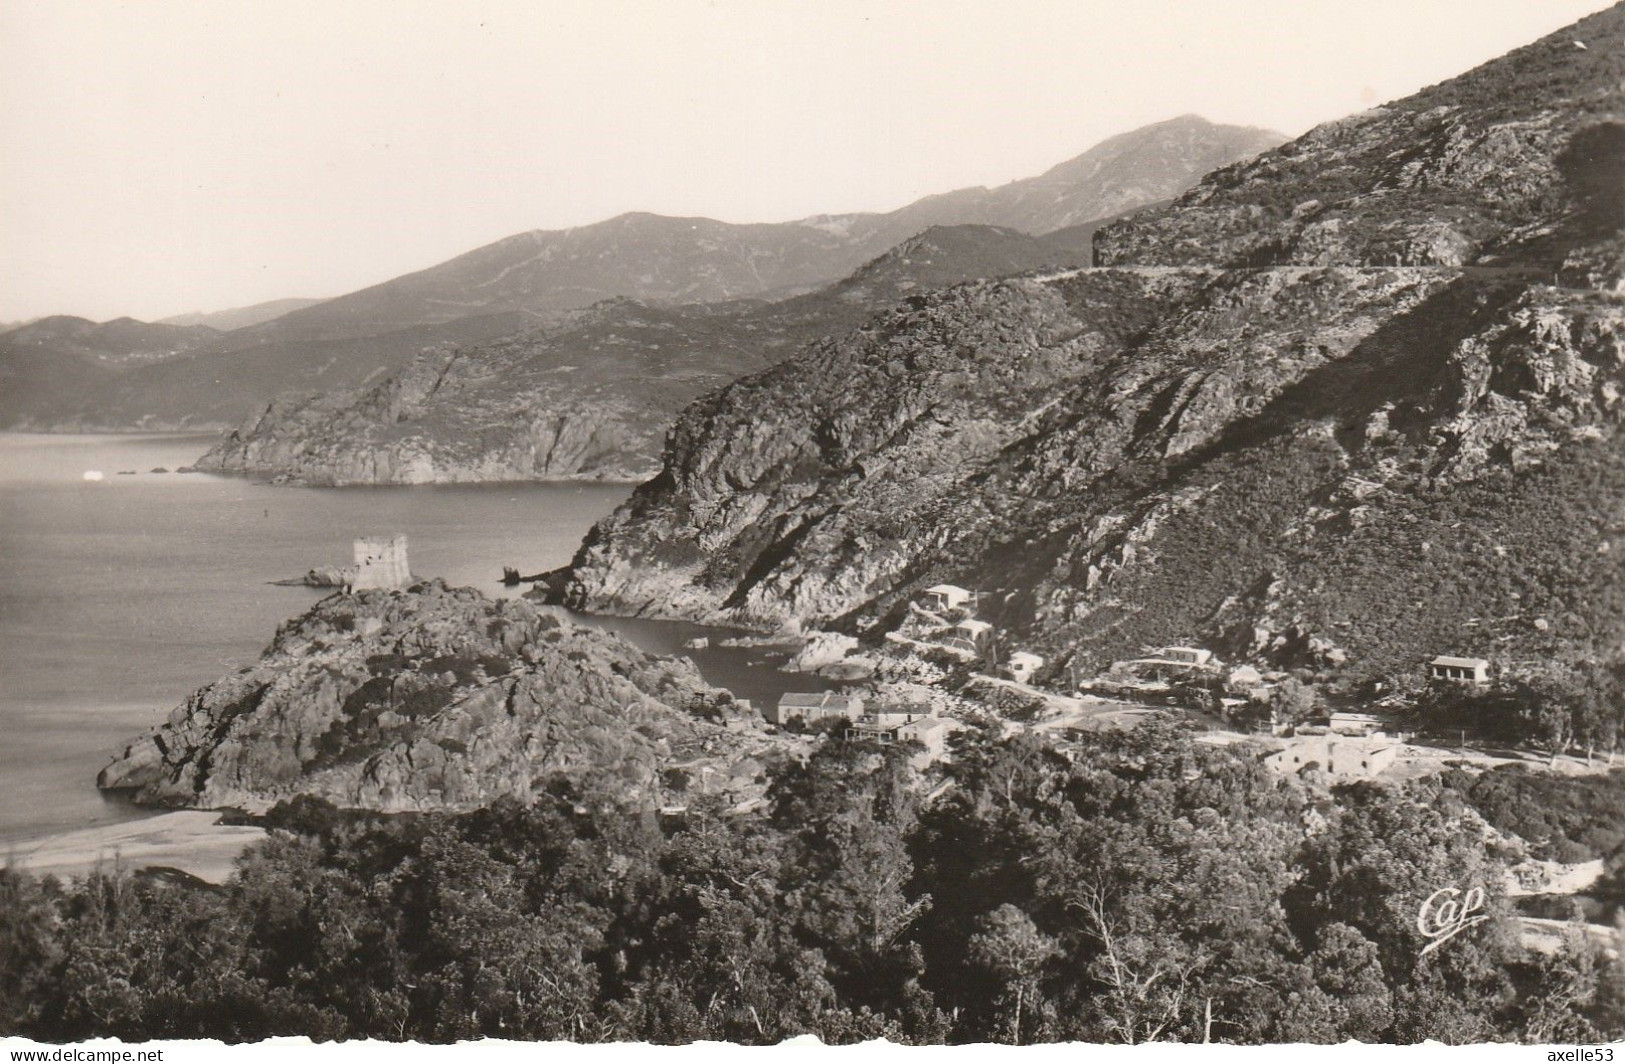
[(611, 441), (1489, 167), (1327, 401), (593, 397), (324, 576), (436, 698), (821, 650)]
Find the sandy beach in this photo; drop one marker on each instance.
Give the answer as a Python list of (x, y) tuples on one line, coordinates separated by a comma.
[(193, 841)]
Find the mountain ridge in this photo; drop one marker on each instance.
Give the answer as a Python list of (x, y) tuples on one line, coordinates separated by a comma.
[(748, 259), (532, 278), (241, 317), (1252, 425), (592, 396)]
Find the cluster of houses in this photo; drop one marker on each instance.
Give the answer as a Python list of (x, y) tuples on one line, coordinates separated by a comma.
[(1349, 745), (972, 635), (1355, 745), (884, 725)]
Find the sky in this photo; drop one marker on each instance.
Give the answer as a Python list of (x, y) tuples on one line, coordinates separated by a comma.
[(163, 157)]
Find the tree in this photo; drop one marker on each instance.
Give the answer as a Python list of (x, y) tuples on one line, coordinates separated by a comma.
[(1551, 705), (1292, 701), (1600, 708), (1147, 986), (847, 814), (1013, 951), (1351, 981), (27, 948), (1560, 989)]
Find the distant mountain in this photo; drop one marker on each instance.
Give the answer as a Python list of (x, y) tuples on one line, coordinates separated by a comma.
[(205, 389), (951, 254), (241, 317), (120, 342), (1345, 406), (654, 258), (1116, 176), (592, 396), (536, 279)]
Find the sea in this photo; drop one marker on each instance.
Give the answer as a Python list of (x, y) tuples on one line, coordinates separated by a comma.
[(122, 594)]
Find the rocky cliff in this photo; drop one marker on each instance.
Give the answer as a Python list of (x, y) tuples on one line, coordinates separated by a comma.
[(1354, 401), (438, 698), (593, 396)]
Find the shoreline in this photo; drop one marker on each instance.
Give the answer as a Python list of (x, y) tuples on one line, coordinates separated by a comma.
[(193, 841), (99, 435)]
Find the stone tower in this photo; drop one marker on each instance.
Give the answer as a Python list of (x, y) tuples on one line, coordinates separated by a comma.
[(380, 562)]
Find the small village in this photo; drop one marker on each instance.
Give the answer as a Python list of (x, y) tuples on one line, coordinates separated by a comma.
[(945, 667), (943, 644)]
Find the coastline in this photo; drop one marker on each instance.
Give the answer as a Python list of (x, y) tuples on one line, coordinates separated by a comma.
[(193, 841)]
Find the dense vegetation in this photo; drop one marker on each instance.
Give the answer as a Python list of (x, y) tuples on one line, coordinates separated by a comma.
[(1148, 888), (1550, 706), (1566, 818)]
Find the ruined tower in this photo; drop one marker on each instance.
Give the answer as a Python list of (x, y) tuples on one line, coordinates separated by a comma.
[(380, 562)]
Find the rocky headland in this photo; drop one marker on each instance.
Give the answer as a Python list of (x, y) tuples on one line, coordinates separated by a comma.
[(439, 698), (592, 397)]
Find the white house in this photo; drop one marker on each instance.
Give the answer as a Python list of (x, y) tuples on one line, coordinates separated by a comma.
[(815, 708), (1466, 670), (882, 728), (976, 632), (946, 597), (1357, 723), (1023, 665), (1340, 759), (1168, 662)]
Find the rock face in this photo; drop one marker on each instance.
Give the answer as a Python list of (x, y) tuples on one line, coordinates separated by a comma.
[(1361, 393), (592, 397), (434, 698), (1480, 169)]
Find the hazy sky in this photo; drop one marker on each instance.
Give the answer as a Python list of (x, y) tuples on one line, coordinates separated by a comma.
[(161, 157)]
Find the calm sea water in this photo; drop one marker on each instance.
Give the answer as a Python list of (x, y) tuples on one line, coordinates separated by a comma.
[(119, 597)]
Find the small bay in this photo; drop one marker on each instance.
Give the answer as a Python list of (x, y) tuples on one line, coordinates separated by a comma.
[(120, 596)]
